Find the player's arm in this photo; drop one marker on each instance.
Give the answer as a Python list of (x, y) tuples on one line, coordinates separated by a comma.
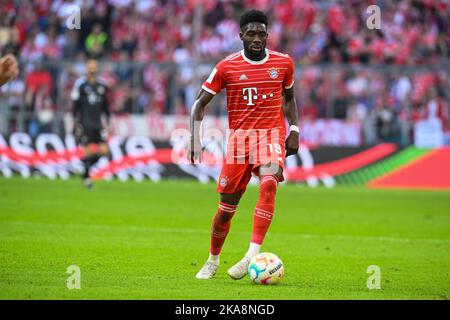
[(106, 112), (8, 68), (76, 110), (197, 114), (77, 126), (291, 113), (212, 86)]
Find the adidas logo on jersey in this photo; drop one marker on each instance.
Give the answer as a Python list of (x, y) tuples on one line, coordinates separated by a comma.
[(243, 77)]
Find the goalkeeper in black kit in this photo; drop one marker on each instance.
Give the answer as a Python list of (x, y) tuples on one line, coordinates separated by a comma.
[(91, 118)]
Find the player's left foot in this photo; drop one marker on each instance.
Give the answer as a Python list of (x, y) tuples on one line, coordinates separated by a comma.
[(240, 269), (208, 271)]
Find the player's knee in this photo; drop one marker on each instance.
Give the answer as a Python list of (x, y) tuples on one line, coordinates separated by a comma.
[(86, 151), (104, 150), (230, 199), (226, 212), (268, 189)]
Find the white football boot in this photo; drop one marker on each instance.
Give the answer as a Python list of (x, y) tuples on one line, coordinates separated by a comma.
[(207, 271), (240, 269)]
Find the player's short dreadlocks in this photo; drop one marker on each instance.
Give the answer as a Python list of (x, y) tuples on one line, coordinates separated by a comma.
[(253, 16)]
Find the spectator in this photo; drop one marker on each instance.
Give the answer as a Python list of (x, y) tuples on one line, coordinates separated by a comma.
[(96, 42), (436, 109), (386, 121), (38, 80)]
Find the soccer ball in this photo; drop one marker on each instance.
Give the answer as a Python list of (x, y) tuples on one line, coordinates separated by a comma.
[(266, 268)]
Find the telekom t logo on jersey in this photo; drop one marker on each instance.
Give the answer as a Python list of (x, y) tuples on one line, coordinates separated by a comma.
[(251, 94)]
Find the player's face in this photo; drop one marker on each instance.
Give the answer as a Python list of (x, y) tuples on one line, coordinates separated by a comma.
[(92, 68), (254, 36)]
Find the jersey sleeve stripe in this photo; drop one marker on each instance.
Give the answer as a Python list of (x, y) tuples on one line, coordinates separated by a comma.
[(208, 90), (290, 86), (211, 76)]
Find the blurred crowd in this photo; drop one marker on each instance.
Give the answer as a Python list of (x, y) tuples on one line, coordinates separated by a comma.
[(155, 53), (412, 33)]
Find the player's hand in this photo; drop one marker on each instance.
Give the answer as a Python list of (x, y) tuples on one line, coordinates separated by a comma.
[(292, 144), (194, 151), (77, 132), (9, 68)]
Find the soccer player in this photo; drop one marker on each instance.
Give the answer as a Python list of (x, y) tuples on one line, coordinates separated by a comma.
[(257, 80), (8, 68), (90, 102)]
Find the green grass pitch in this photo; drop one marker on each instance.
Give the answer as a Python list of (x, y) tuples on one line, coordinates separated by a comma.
[(146, 241)]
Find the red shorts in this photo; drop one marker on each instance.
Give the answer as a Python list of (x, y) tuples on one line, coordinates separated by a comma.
[(235, 176)]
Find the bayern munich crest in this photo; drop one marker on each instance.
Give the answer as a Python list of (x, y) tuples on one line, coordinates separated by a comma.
[(273, 73), (223, 181)]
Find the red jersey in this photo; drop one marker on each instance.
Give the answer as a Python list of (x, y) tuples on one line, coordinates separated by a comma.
[(254, 89)]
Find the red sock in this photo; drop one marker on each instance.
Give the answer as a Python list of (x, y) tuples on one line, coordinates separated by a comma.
[(220, 226), (263, 213)]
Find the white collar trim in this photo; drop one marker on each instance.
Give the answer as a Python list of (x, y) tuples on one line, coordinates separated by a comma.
[(255, 62)]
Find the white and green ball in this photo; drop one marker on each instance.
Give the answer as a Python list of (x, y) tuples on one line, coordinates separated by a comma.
[(266, 268)]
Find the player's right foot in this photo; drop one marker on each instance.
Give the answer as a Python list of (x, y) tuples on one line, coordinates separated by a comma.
[(88, 183), (240, 269), (208, 271)]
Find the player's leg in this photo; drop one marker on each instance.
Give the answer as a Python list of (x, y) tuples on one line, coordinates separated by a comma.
[(89, 159), (262, 217), (219, 231), (94, 148), (265, 207), (222, 221), (82, 138), (232, 183)]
